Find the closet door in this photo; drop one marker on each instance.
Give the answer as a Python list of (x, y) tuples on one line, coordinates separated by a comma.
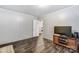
[(37, 27)]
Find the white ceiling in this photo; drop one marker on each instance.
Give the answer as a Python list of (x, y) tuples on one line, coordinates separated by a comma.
[(34, 10)]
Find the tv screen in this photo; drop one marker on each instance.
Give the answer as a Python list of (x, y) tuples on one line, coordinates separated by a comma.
[(63, 30)]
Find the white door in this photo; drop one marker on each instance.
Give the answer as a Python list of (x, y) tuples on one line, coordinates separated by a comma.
[(37, 27)]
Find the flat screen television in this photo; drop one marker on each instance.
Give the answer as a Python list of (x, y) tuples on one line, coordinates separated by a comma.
[(63, 30)]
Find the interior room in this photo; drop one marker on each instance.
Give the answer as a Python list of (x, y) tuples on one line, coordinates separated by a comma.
[(39, 28)]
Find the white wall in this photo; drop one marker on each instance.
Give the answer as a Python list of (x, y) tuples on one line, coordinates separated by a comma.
[(65, 17), (14, 26)]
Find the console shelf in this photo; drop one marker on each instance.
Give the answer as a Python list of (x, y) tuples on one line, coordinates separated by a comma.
[(70, 42)]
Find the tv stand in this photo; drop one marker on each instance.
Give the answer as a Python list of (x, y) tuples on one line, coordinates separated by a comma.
[(65, 41)]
